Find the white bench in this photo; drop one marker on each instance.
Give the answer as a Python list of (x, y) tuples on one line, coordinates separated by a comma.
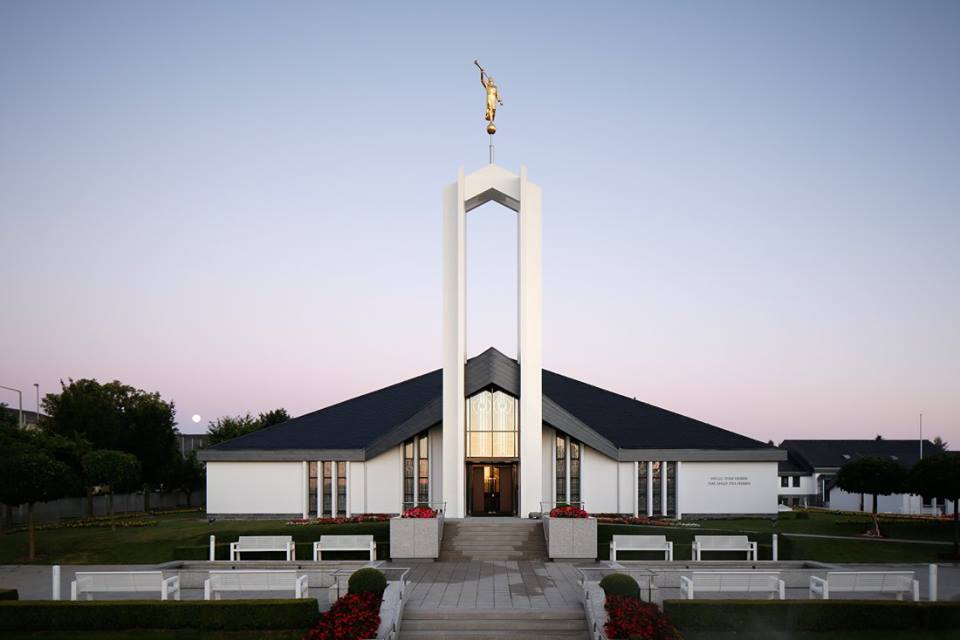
[(255, 580), (641, 543), (898, 582), (344, 543), (733, 582), (246, 544), (723, 543), (87, 583)]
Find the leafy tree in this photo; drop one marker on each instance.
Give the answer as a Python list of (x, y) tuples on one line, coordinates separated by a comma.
[(188, 475), (27, 476), (938, 476), (940, 444), (874, 476), (118, 417), (230, 427), (8, 417), (116, 470)]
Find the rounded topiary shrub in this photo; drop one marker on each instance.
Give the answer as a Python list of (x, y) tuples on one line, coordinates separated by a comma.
[(620, 584), (368, 580)]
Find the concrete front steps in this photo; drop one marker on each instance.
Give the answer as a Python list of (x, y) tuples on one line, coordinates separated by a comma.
[(493, 539), (473, 624)]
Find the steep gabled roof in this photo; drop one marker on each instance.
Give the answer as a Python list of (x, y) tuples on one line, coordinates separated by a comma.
[(830, 454), (367, 425)]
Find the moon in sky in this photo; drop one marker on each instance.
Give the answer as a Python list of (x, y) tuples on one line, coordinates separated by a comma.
[(196, 417)]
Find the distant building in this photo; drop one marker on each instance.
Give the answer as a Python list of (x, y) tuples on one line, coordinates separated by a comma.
[(30, 418), (187, 443), (808, 476)]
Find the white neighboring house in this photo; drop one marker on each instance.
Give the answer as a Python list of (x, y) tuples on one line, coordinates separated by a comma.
[(807, 478), (492, 435)]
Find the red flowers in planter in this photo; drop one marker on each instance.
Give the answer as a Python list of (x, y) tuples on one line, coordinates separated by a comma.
[(420, 512), (633, 618), (568, 512), (352, 617)]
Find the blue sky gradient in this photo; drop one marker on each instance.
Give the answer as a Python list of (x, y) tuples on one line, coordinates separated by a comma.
[(751, 209)]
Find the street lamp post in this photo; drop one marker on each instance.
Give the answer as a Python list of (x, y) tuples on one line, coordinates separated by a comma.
[(36, 385), (19, 393)]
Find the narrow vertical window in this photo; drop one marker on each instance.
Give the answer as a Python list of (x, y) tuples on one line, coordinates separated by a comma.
[(423, 473), (341, 488), (313, 488), (327, 488), (657, 482), (561, 466), (671, 488), (574, 472), (408, 474), (642, 488)]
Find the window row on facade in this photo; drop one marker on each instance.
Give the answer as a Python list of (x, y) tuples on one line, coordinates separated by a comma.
[(327, 488)]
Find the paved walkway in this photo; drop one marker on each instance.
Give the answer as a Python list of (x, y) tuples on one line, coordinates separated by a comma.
[(494, 584)]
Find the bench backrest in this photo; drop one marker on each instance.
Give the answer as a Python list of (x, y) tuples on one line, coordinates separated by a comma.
[(264, 542), (253, 580), (874, 581), (720, 543), (119, 581), (640, 542), (346, 542), (735, 581)]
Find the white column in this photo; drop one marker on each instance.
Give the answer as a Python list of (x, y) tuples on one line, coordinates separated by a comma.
[(529, 335), (649, 488), (636, 489), (663, 487), (416, 470), (347, 471), (319, 488), (55, 581), (679, 487), (454, 346), (566, 467), (333, 488), (305, 472)]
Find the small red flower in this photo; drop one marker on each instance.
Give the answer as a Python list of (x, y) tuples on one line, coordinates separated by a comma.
[(352, 617), (568, 512), (420, 512), (631, 617)]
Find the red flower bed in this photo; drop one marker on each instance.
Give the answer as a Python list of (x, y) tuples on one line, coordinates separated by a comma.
[(352, 617), (633, 618), (568, 512), (615, 518), (420, 512), (369, 517)]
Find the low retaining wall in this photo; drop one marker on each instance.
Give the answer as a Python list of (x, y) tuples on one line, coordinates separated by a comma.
[(570, 538), (416, 538)]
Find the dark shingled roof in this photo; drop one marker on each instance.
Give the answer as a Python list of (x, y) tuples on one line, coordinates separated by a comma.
[(359, 422), (822, 454), (793, 465)]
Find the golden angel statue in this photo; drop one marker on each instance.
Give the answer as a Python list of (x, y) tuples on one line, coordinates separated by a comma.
[(493, 98)]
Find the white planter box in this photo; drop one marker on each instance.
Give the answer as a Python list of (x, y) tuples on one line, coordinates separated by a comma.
[(412, 538), (571, 538), (391, 611)]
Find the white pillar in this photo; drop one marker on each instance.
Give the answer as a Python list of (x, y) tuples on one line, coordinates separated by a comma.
[(663, 487), (305, 473), (333, 489), (676, 479), (774, 551), (55, 582), (454, 346), (213, 548), (932, 589), (649, 488), (346, 470), (636, 489), (529, 334), (566, 468)]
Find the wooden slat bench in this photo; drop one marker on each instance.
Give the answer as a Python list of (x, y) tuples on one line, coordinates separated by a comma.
[(344, 543), (641, 543), (733, 582), (87, 583), (897, 582), (251, 544), (723, 543), (255, 580)]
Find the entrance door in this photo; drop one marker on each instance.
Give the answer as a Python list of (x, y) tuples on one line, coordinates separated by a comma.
[(492, 489)]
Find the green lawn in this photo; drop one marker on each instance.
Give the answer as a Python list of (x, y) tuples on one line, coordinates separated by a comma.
[(179, 536), (838, 525)]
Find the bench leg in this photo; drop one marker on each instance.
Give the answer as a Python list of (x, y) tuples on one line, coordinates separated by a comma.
[(73, 590)]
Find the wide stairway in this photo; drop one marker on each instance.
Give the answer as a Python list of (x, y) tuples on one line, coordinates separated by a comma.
[(472, 624), (492, 539)]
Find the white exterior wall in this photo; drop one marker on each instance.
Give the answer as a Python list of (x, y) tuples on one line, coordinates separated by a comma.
[(384, 481), (728, 487), (436, 464), (807, 487), (548, 487), (896, 503), (599, 478), (255, 487), (356, 487), (628, 486)]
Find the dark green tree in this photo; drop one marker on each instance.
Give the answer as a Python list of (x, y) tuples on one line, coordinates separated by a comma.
[(28, 476), (938, 476), (874, 476), (118, 417), (112, 470), (188, 475), (230, 427)]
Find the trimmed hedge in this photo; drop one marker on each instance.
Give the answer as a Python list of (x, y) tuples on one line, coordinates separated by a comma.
[(41, 615), (620, 584), (367, 580), (9, 594), (810, 615)]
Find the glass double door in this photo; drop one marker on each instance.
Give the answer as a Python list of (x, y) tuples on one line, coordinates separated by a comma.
[(492, 489)]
